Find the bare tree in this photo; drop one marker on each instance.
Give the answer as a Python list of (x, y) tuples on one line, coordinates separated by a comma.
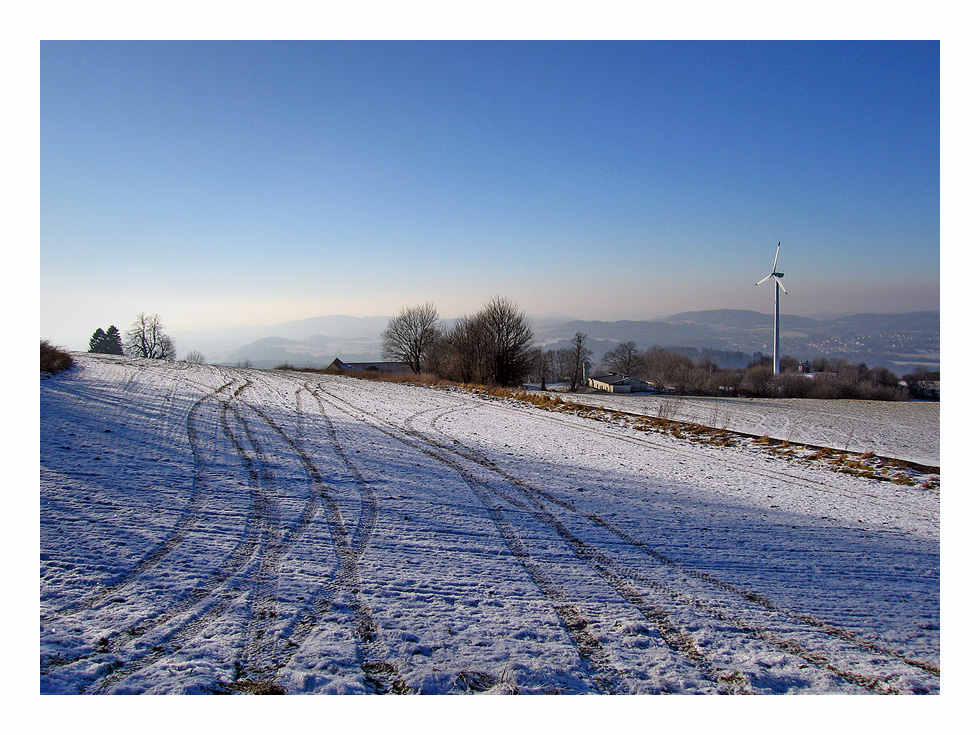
[(545, 366), (655, 360), (580, 353), (665, 368), (729, 381), (788, 364), (759, 380), (625, 359), (565, 366), (463, 352), (701, 376), (507, 337), (146, 338), (492, 347), (195, 357), (409, 336)]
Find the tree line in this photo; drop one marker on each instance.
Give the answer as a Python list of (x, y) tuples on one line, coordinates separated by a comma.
[(495, 347), (491, 347), (831, 378), (145, 338)]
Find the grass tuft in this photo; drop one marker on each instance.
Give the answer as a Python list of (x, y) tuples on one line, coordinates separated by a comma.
[(865, 465), (54, 359), (247, 686), (822, 453)]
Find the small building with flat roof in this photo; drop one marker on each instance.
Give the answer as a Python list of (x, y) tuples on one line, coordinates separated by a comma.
[(385, 367), (617, 383)]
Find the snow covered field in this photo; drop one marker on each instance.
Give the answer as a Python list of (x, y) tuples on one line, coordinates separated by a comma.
[(210, 529), (896, 429)]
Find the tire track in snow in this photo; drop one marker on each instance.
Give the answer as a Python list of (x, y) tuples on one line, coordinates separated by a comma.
[(243, 565), (595, 661), (790, 646), (181, 628), (239, 567), (608, 679), (369, 501), (190, 516), (260, 658), (380, 675), (134, 632), (261, 655), (255, 571), (729, 682), (260, 643), (261, 650), (787, 478)]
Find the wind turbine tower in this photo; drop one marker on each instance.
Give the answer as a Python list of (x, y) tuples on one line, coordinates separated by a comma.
[(775, 324)]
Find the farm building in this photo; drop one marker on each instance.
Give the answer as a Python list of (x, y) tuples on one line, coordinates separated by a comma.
[(386, 367), (616, 383)]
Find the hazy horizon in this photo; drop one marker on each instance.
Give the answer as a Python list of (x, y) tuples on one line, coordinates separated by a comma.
[(226, 184), (79, 342)]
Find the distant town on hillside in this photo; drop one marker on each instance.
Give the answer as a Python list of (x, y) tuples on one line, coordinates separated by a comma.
[(730, 337)]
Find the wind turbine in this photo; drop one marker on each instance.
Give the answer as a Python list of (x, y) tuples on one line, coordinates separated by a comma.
[(775, 325)]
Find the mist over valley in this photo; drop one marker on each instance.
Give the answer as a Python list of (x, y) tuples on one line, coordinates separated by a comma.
[(899, 342)]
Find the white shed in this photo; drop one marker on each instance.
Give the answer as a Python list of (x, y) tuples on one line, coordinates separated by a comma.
[(616, 383)]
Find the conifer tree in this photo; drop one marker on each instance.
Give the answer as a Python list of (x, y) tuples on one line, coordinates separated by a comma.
[(113, 341), (98, 341), (106, 343)]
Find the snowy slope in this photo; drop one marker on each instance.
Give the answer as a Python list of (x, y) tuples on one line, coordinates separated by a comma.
[(209, 529), (906, 430)]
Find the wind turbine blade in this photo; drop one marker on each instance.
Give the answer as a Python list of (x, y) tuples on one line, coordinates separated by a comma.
[(765, 279), (777, 257), (782, 286)]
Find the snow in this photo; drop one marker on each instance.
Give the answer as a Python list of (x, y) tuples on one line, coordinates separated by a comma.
[(210, 529), (906, 430)]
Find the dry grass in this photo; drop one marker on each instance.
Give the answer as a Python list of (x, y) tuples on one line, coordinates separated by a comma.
[(54, 359), (822, 453), (246, 686), (866, 465), (722, 438)]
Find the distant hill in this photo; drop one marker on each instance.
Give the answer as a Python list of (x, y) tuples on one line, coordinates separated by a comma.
[(896, 341), (309, 342), (736, 319), (315, 351)]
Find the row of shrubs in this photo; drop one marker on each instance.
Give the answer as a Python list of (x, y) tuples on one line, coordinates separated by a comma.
[(830, 378), (850, 382), (853, 381)]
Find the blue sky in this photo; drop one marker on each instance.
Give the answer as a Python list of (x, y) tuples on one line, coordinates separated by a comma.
[(240, 183)]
